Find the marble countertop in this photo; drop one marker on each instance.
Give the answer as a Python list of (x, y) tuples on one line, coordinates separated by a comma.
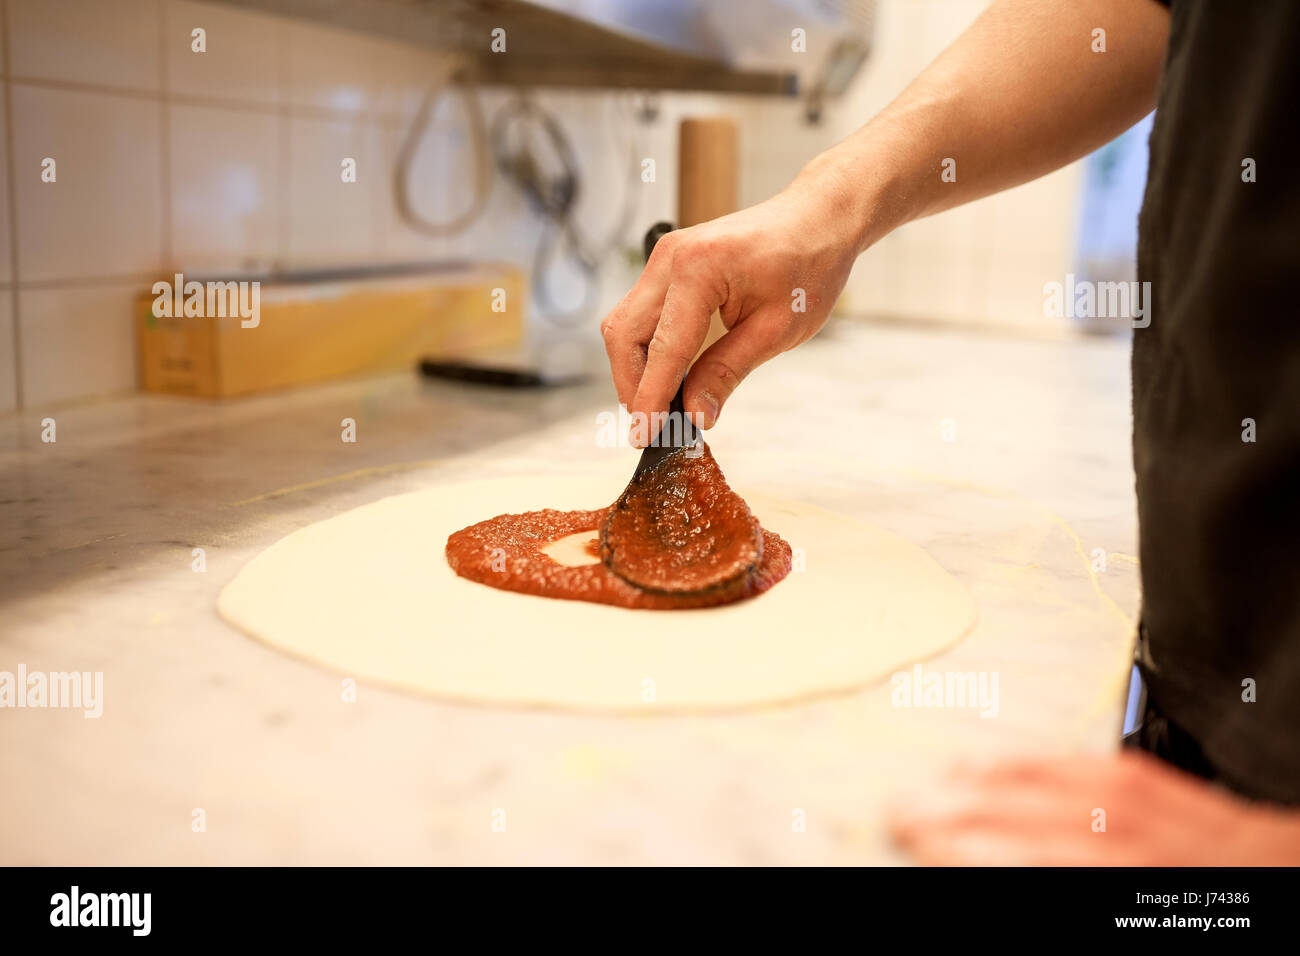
[(1007, 459)]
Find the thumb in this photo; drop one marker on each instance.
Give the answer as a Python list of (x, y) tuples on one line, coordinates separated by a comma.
[(724, 365)]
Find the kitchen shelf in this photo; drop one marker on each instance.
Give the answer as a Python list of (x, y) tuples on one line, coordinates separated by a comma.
[(546, 47)]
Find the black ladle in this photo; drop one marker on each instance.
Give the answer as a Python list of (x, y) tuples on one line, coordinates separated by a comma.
[(677, 431)]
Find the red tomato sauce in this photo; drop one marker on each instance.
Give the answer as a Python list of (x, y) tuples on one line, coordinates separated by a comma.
[(678, 537)]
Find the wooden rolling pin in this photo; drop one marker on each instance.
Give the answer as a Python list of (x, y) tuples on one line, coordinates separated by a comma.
[(707, 173), (707, 161)]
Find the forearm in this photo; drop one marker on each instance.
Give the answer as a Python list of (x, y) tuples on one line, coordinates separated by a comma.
[(1019, 94)]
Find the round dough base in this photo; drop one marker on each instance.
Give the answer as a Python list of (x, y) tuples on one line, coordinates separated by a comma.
[(369, 594)]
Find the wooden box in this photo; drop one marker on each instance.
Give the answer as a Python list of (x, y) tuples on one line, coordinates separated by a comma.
[(315, 327)]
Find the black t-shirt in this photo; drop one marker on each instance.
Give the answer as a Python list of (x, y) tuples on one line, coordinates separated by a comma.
[(1219, 365)]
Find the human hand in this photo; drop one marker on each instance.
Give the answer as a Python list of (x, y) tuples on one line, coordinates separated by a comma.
[(1042, 812), (773, 271)]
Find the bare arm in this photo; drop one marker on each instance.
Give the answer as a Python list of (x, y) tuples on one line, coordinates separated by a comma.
[(1017, 95)]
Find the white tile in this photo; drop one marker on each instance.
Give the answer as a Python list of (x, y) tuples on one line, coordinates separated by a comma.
[(225, 197), (402, 75), (1034, 224), (244, 54), (108, 42), (597, 126), (939, 281), (102, 216), (942, 21), (884, 74), (1015, 296), (962, 228), (874, 287), (983, 214), (431, 194), (6, 259), (911, 34), (929, 230), (332, 69), (8, 357), (957, 292), (331, 221), (922, 270), (658, 141), (441, 183), (77, 342)]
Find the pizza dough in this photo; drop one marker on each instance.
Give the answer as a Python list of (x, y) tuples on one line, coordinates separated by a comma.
[(369, 594)]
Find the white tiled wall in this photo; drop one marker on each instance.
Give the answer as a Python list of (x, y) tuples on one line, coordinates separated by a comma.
[(250, 70), (226, 211), (76, 341), (8, 361), (6, 246), (102, 216), (981, 263), (112, 43), (171, 160)]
